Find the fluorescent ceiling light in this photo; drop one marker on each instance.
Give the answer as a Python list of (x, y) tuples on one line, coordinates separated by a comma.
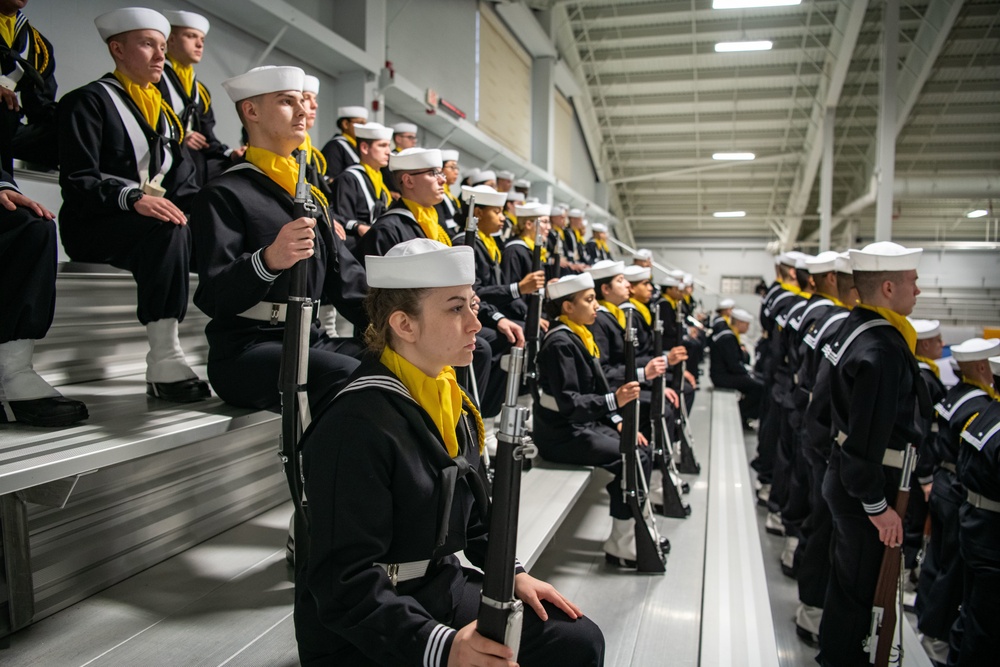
[(978, 213), (733, 156), (744, 4), (730, 214), (731, 47)]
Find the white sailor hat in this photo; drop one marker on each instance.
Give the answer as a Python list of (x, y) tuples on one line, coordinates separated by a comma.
[(449, 156), (926, 328), (976, 349), (644, 253), (485, 195), (725, 304), (636, 274), (995, 365), (606, 268), (310, 84), (421, 263), (412, 159), (352, 112), (823, 263), (791, 257), (559, 210), (688, 279), (843, 263), (505, 175), (885, 256), (126, 19), (741, 315), (677, 274), (472, 173), (263, 80), (800, 262), (576, 213), (515, 196), (599, 227), (372, 131), (522, 183), (404, 128), (531, 210), (182, 19), (570, 285), (669, 281), (483, 176)]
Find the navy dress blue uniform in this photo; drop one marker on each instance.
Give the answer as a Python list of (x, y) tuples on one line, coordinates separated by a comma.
[(235, 217), (353, 200), (101, 174), (385, 490), (340, 154), (729, 372), (923, 472), (515, 264), (875, 390)]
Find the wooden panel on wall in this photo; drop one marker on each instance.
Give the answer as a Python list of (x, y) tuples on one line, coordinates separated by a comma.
[(564, 124), (504, 85)]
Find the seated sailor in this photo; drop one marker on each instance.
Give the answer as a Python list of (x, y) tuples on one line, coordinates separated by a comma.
[(126, 184), (247, 240), (596, 249), (518, 254), (359, 195), (450, 208), (342, 149), (729, 365), (393, 475)]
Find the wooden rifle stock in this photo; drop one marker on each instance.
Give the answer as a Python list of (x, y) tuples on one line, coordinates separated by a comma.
[(884, 604), (673, 505), (500, 613)]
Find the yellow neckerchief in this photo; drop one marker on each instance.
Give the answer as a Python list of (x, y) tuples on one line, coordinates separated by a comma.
[(737, 334), (511, 218), (931, 364), (602, 245), (579, 235), (687, 299), (314, 156), (584, 334), (562, 233), (447, 193), (899, 321), (616, 311), (148, 99), (185, 73), (282, 170), (440, 397), (643, 310), (836, 301), (376, 178), (492, 249), (351, 140), (7, 28), (530, 242), (427, 218), (990, 391), (672, 302), (791, 287)]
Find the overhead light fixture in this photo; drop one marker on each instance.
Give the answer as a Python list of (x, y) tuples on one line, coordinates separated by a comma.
[(746, 4), (978, 213), (733, 156), (733, 47), (729, 214)]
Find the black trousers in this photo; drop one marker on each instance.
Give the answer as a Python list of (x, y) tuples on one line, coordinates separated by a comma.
[(975, 637), (913, 523), (751, 387), (784, 457), (491, 380), (767, 438), (27, 274), (813, 555), (939, 591), (158, 254)]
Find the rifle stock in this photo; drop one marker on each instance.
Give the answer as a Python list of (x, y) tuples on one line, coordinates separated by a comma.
[(673, 504), (687, 463), (463, 374)]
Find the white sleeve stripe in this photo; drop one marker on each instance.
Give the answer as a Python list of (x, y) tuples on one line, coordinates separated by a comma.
[(640, 374), (7, 185), (123, 198), (434, 651), (258, 266), (612, 403), (497, 316), (875, 508), (514, 290)]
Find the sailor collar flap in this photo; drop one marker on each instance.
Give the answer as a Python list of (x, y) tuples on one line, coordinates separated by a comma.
[(977, 435), (949, 406)]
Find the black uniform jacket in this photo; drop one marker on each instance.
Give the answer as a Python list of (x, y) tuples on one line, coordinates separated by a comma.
[(395, 225), (979, 472), (235, 217), (99, 173), (953, 411), (495, 297), (727, 357), (876, 395), (383, 489), (340, 155), (801, 357), (594, 254), (353, 200), (817, 426), (610, 339), (515, 264), (195, 113), (926, 462), (449, 214), (574, 391), (33, 68)]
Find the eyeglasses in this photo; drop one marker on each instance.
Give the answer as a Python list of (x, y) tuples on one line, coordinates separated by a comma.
[(437, 173)]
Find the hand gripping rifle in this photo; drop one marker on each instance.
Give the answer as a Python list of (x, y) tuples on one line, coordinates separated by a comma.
[(686, 461), (673, 506), (533, 322), (294, 370), (649, 556), (463, 374), (500, 613), (887, 590)]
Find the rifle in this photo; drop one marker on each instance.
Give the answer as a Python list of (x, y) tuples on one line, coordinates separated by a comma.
[(463, 374), (687, 463), (673, 506), (553, 268), (500, 613), (884, 618), (533, 322), (649, 556), (293, 373)]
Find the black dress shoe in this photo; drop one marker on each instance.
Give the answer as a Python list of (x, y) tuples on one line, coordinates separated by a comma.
[(185, 391), (807, 636), (51, 411)]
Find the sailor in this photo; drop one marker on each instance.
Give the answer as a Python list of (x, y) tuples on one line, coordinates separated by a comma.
[(939, 590), (723, 315), (557, 238), (485, 177), (673, 335), (640, 296), (393, 475), (875, 392), (28, 275), (576, 417), (596, 249), (28, 91), (315, 162), (247, 241), (518, 254), (450, 208), (188, 97), (729, 365), (126, 184), (505, 180), (575, 244), (404, 136), (342, 150), (359, 195), (976, 635)]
